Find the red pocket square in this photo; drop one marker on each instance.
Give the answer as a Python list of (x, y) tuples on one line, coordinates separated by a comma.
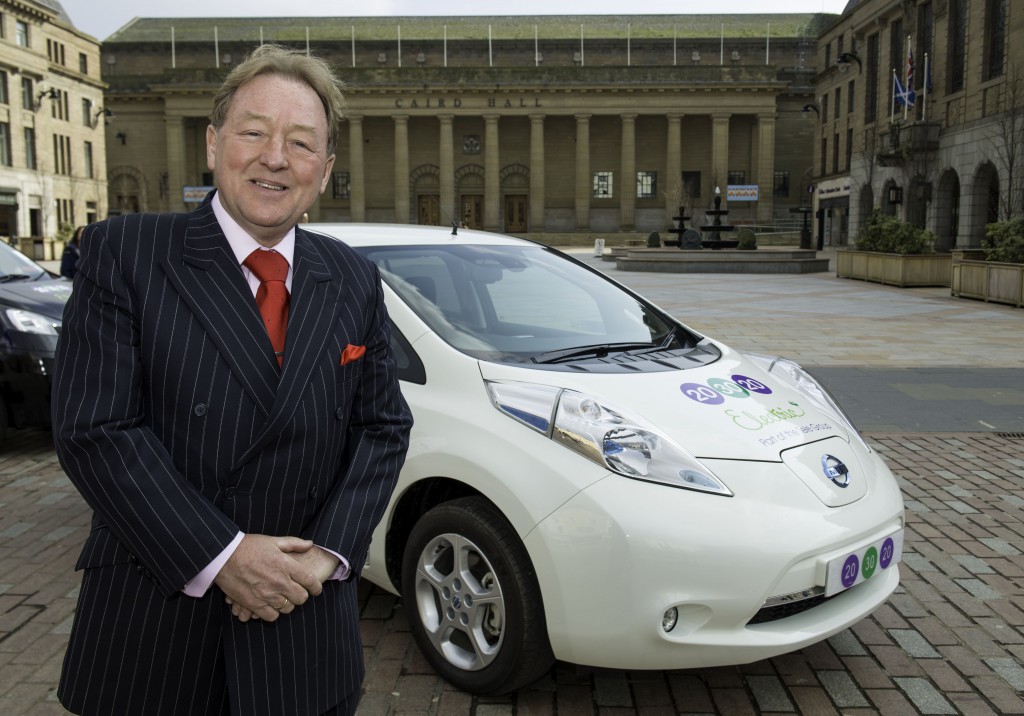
[(352, 353)]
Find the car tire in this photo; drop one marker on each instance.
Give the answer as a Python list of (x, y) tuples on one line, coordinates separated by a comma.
[(472, 599)]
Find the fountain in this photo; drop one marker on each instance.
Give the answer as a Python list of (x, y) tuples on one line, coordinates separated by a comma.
[(716, 227), (685, 238)]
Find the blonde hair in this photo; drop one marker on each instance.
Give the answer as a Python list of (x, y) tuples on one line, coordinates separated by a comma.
[(273, 59)]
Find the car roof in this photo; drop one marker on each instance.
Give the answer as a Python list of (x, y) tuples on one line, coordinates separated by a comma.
[(361, 235)]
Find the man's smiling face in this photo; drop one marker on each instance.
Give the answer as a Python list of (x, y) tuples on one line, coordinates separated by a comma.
[(270, 158)]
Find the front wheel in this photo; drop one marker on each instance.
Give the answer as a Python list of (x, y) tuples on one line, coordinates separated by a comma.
[(472, 599)]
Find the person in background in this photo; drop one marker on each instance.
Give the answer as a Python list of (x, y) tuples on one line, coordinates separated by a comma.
[(233, 417), (72, 252)]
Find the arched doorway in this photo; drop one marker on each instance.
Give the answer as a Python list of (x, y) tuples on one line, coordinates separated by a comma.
[(515, 188), (469, 185), (425, 190), (947, 211), (984, 203), (126, 190)]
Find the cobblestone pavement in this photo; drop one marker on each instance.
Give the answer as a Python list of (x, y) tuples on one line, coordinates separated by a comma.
[(951, 641)]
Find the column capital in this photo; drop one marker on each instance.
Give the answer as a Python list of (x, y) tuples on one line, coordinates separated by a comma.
[(400, 117), (721, 116), (675, 117), (491, 117), (583, 117), (628, 117), (537, 117), (353, 118)]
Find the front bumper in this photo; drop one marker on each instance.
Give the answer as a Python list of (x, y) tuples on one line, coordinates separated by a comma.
[(613, 559)]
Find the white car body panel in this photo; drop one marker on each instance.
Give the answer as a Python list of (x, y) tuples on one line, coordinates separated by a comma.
[(612, 553)]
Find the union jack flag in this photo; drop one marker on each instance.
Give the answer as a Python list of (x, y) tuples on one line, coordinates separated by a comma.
[(908, 88)]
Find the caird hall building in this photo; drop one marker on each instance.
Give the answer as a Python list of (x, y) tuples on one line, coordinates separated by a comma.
[(515, 124)]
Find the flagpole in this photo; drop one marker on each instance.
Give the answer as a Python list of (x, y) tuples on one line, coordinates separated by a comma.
[(892, 112), (924, 106), (907, 79)]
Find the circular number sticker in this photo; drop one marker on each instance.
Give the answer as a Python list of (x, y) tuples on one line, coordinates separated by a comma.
[(887, 550), (754, 386), (728, 388), (870, 562), (850, 569), (701, 393)]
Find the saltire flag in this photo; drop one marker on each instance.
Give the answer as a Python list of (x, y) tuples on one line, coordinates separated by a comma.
[(909, 94), (900, 93)]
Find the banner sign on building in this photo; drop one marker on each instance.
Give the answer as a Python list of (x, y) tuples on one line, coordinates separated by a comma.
[(741, 192), (195, 194)]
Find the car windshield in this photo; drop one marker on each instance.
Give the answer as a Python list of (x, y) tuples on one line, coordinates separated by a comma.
[(523, 304), (16, 266)]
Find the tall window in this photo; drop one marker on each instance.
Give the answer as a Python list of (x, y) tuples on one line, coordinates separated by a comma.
[(957, 60), (27, 88), (339, 185), (5, 144), (83, 63), (824, 156), (780, 184), (3, 88), (835, 154), (646, 185), (849, 148), (871, 95), (61, 154), (896, 48), (736, 177), (21, 33), (838, 101), (851, 90), (30, 148), (88, 160), (925, 50), (603, 185), (824, 108), (691, 184), (87, 111), (995, 38)]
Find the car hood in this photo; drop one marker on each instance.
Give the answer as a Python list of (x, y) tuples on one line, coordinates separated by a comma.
[(45, 297), (705, 410)]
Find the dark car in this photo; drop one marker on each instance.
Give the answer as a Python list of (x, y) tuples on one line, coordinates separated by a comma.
[(31, 305)]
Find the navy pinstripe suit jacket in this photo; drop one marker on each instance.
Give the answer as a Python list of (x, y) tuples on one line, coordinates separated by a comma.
[(179, 429)]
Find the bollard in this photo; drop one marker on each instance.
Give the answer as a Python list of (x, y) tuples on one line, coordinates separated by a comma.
[(598, 247)]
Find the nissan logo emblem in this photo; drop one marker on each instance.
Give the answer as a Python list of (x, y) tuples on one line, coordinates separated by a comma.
[(835, 470)]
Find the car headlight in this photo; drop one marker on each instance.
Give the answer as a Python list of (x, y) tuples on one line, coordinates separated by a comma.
[(29, 322), (803, 381), (609, 436)]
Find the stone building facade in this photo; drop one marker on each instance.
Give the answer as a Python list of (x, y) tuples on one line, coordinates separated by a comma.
[(52, 119), (516, 124), (953, 160)]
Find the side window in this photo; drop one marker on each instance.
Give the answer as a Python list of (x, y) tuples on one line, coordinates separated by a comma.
[(410, 367)]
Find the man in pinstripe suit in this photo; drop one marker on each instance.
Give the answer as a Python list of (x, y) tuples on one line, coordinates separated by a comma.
[(234, 490)]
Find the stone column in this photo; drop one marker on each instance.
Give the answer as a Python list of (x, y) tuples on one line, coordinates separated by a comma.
[(583, 180), (401, 168), (627, 199), (446, 167), (492, 180), (356, 174), (175, 163), (765, 168), (673, 169), (719, 152), (537, 170)]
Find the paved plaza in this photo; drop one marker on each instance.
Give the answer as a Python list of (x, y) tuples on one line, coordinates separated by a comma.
[(908, 363)]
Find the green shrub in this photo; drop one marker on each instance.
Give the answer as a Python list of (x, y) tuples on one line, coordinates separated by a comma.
[(891, 235), (1004, 241)]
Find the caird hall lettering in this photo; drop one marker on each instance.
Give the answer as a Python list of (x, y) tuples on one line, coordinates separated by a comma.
[(456, 102)]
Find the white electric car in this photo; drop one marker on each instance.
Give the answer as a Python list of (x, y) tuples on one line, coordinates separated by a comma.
[(590, 480)]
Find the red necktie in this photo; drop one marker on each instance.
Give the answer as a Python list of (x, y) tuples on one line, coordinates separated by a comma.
[(271, 268)]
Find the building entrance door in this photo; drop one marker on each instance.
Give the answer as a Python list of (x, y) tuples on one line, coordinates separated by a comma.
[(515, 212), (473, 211), (429, 213)]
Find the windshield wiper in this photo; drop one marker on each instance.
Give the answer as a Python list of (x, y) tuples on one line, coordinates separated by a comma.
[(7, 278), (599, 350)]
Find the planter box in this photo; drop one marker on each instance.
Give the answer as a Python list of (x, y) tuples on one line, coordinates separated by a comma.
[(895, 269), (988, 281)]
